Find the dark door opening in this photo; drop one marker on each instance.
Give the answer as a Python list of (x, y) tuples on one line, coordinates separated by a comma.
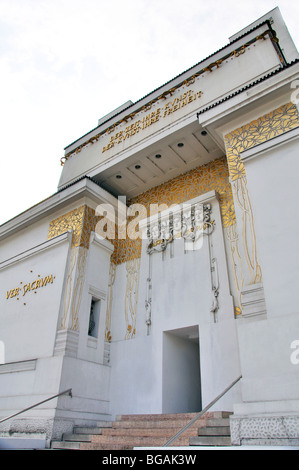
[(181, 371)]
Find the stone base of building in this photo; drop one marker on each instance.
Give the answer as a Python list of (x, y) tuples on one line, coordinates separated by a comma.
[(86, 406), (276, 428), (48, 429), (28, 428)]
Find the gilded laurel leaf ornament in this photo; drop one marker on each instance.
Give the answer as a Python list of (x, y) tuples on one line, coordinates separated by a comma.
[(257, 132), (212, 176), (73, 220), (81, 221)]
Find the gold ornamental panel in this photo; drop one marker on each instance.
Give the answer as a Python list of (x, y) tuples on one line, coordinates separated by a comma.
[(261, 130)]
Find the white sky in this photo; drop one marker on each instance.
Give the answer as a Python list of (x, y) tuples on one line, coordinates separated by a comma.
[(66, 63)]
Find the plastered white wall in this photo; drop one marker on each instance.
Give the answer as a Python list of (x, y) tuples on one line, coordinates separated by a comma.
[(181, 297)]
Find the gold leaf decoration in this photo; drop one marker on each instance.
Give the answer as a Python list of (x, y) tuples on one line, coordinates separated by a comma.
[(212, 176), (261, 130)]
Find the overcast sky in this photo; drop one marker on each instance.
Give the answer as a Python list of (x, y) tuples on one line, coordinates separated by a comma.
[(66, 63)]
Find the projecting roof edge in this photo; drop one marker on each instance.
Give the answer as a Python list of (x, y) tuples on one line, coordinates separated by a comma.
[(267, 22), (84, 186), (247, 87), (105, 125)]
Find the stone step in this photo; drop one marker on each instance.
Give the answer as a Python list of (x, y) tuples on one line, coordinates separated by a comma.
[(88, 446), (104, 424), (149, 432), (220, 414), (89, 430), (214, 431), (140, 441), (155, 424), (218, 422), (77, 437), (156, 417), (62, 445), (221, 441), (129, 431), (173, 416)]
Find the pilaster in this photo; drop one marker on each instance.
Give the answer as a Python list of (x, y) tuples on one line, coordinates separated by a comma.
[(248, 136), (80, 222)]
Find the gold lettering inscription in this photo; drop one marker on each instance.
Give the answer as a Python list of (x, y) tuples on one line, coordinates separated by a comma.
[(26, 288), (47, 280), (30, 286), (12, 293), (151, 118)]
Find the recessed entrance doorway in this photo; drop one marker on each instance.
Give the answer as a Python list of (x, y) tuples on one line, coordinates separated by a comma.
[(181, 371)]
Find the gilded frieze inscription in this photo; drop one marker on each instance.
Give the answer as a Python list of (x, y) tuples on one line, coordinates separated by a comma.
[(151, 118)]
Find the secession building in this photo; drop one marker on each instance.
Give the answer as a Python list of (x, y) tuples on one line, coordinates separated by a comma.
[(166, 264)]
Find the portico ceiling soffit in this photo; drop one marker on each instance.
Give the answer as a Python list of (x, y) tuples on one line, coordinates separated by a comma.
[(174, 155)]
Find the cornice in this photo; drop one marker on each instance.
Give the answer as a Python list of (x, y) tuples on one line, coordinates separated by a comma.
[(249, 103), (84, 187), (235, 47)]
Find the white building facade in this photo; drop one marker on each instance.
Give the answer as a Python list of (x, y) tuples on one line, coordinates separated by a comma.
[(163, 269)]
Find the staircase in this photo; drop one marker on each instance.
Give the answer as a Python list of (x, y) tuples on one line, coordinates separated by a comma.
[(129, 431)]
